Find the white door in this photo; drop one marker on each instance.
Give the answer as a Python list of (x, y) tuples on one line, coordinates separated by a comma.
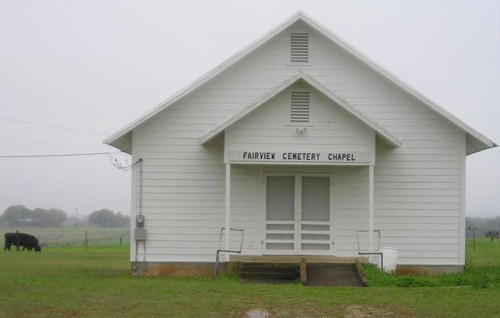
[(298, 215)]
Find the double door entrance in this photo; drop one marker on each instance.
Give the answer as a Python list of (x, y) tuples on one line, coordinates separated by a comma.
[(298, 216)]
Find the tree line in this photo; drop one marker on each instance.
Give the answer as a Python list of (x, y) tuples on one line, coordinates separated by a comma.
[(108, 218), (19, 215)]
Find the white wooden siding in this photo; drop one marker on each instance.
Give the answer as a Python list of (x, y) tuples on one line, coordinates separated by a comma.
[(351, 209), (418, 186), (331, 128)]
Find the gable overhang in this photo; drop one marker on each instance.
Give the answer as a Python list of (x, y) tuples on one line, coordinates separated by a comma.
[(122, 139), (473, 144), (301, 76)]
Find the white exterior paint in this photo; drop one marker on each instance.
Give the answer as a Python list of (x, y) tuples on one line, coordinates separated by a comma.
[(416, 149)]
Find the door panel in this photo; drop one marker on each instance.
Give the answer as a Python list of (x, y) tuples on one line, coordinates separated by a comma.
[(280, 215), (280, 194), (298, 217), (315, 199), (315, 215)]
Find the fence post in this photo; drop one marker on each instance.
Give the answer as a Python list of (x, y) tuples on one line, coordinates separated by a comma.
[(474, 238), (17, 240), (86, 241)]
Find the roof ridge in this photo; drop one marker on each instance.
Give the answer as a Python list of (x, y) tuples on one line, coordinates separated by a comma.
[(119, 138)]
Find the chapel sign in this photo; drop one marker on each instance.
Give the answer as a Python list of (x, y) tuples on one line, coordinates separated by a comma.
[(299, 157)]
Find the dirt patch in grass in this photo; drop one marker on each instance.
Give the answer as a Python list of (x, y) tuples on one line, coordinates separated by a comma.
[(258, 313), (307, 312), (352, 311), (359, 311)]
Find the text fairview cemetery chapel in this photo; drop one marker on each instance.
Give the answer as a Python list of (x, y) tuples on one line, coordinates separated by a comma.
[(301, 141)]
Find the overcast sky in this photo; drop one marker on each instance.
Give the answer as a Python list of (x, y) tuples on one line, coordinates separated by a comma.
[(73, 72)]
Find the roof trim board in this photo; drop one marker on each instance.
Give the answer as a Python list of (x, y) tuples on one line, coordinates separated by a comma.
[(203, 79), (381, 131), (403, 85), (118, 138)]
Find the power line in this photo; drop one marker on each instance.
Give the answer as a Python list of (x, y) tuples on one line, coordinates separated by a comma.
[(44, 143), (52, 126), (60, 155)]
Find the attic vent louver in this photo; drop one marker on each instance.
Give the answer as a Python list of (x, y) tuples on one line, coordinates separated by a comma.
[(299, 107), (299, 47)]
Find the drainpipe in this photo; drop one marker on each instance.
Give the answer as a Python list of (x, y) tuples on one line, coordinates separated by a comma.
[(140, 232)]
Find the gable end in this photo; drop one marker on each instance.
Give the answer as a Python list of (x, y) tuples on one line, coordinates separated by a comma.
[(301, 57)]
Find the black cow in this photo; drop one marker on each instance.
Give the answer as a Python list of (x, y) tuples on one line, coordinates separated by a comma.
[(27, 241)]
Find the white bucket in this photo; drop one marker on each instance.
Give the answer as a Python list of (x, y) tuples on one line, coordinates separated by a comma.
[(390, 258)]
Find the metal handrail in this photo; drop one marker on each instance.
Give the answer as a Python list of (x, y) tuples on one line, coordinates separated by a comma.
[(216, 271), (371, 253)]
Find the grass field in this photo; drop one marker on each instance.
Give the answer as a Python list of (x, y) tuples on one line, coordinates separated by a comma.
[(70, 281)]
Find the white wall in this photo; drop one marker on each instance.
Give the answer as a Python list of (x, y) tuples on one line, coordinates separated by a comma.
[(418, 186)]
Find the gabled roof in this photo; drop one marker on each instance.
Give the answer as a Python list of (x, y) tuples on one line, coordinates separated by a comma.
[(381, 131), (475, 140)]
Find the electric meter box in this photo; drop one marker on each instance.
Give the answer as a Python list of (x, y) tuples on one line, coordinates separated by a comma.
[(139, 220), (140, 234)]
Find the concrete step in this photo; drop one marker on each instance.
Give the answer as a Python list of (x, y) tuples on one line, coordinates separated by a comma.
[(333, 275), (290, 270), (269, 272)]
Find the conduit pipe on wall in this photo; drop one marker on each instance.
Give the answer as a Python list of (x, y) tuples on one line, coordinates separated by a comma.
[(140, 232)]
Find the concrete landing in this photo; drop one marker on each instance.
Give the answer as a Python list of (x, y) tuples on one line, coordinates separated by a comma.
[(295, 259), (333, 275), (310, 270)]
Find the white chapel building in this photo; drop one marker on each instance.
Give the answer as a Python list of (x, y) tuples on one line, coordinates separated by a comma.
[(298, 143)]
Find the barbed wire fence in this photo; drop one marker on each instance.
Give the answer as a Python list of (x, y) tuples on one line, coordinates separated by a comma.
[(75, 236)]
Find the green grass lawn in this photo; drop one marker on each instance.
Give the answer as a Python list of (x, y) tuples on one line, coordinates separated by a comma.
[(73, 282)]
